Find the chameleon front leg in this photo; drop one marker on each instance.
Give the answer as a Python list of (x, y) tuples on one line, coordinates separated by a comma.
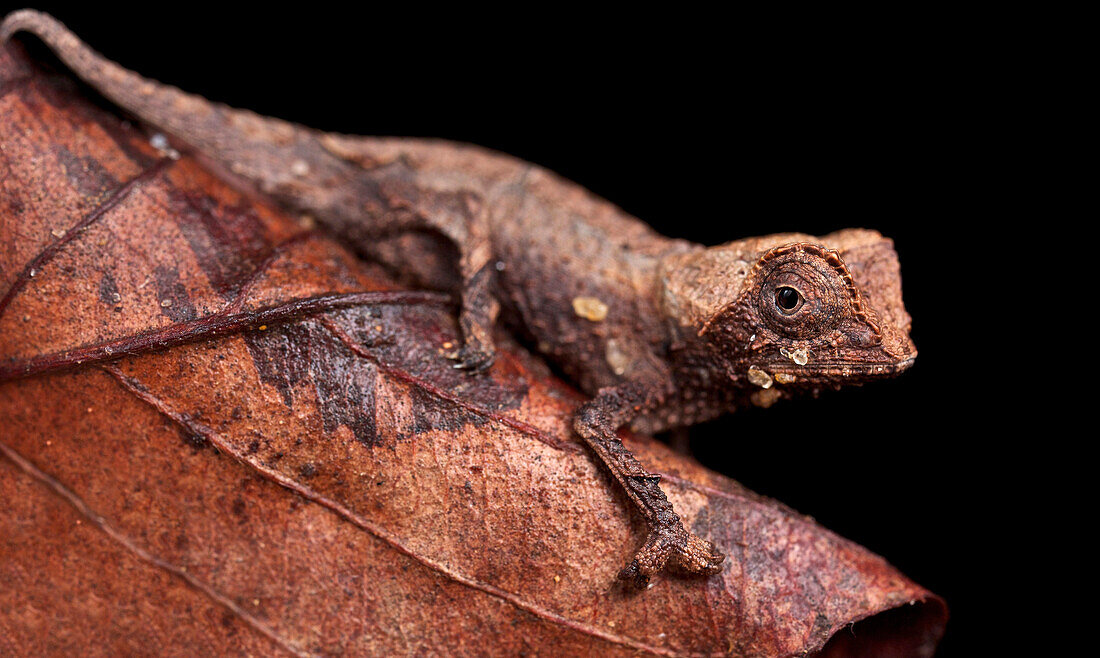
[(668, 542), (475, 319), (460, 217)]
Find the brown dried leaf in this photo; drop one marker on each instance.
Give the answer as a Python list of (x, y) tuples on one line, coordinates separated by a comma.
[(225, 434)]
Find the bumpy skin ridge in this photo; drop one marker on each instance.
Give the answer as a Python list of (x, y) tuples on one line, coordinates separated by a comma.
[(661, 332)]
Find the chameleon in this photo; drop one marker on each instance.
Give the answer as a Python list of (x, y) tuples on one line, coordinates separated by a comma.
[(661, 333)]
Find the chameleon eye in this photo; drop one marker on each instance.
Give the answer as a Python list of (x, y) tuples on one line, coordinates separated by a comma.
[(787, 299), (798, 296)]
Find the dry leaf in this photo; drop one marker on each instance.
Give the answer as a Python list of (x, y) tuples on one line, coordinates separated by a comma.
[(225, 434)]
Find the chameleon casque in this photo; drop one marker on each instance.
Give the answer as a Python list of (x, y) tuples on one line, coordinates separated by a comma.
[(661, 332)]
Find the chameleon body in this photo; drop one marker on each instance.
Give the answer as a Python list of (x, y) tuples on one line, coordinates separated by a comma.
[(660, 332)]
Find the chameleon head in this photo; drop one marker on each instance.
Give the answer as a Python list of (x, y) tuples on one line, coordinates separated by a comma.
[(815, 313)]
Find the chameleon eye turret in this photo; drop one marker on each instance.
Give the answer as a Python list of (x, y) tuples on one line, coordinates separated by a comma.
[(798, 292)]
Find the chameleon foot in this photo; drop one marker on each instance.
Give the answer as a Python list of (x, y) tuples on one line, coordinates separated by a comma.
[(672, 545), (474, 357), (479, 311), (477, 352)]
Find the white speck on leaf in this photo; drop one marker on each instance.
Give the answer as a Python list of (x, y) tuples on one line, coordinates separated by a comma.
[(160, 143)]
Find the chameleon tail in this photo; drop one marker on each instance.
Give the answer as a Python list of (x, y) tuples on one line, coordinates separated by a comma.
[(244, 142)]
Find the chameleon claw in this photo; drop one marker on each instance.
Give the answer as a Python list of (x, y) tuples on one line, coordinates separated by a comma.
[(475, 360)]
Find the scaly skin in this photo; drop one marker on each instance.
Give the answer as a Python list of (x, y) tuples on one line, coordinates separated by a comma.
[(661, 332)]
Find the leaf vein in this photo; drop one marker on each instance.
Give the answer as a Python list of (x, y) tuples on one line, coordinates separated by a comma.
[(99, 522), (376, 531)]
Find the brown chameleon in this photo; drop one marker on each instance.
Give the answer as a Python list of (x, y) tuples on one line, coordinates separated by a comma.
[(662, 333)]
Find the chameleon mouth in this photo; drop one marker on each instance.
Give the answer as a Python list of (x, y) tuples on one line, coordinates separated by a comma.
[(855, 369)]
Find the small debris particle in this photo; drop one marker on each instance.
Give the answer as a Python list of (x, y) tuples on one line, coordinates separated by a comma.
[(616, 357), (590, 308), (57, 233), (90, 409), (448, 345), (557, 579), (299, 168), (160, 143), (765, 398), (759, 378), (256, 602), (800, 356), (263, 327), (26, 318), (307, 222), (166, 303), (784, 378), (116, 297), (500, 265), (33, 272)]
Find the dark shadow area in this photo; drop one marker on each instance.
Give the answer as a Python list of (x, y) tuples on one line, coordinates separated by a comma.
[(905, 632)]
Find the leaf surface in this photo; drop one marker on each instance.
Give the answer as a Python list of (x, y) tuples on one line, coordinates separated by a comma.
[(223, 433)]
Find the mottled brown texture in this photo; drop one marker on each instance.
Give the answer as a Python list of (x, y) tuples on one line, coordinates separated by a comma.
[(662, 333), (326, 483)]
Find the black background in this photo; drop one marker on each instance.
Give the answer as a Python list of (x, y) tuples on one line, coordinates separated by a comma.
[(711, 129)]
